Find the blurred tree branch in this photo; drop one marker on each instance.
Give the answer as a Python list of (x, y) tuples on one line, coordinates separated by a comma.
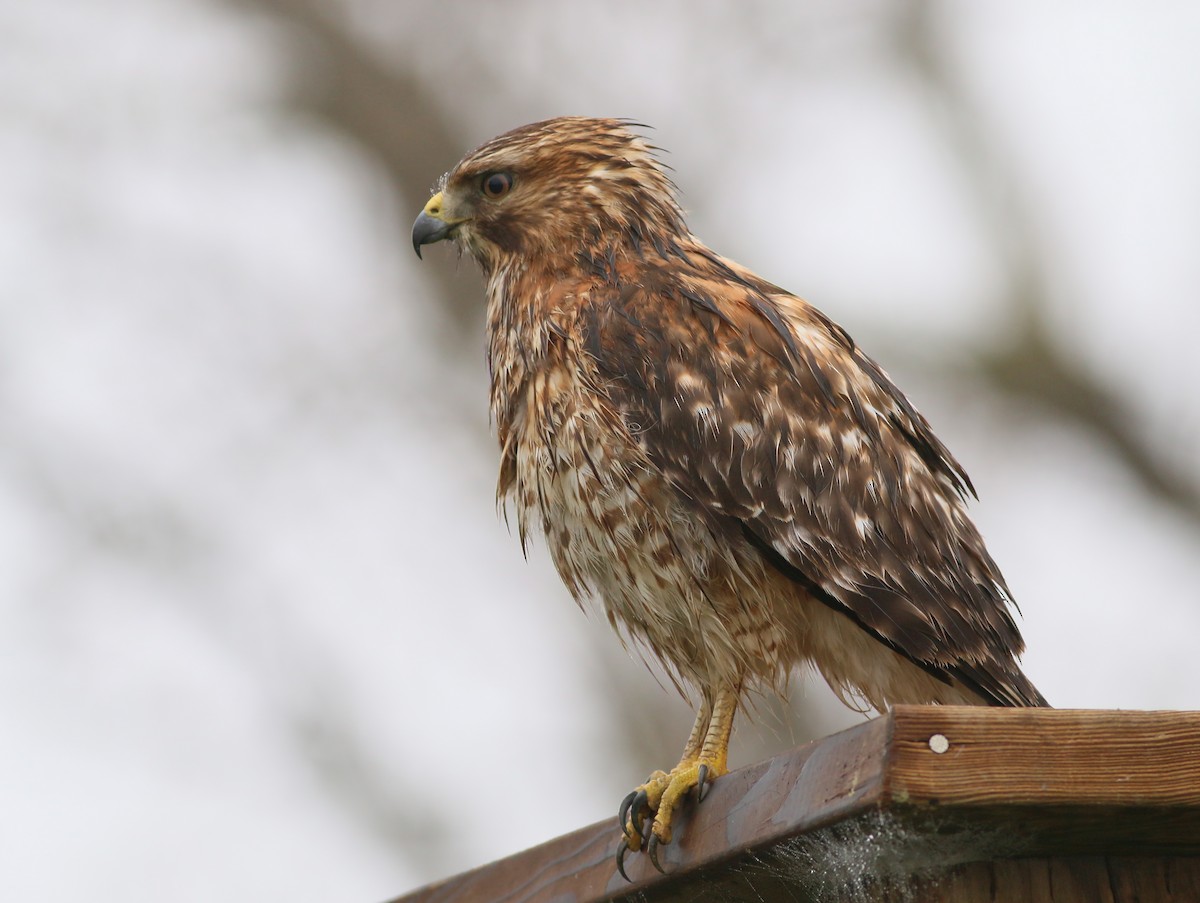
[(1026, 362), (408, 824), (388, 113)]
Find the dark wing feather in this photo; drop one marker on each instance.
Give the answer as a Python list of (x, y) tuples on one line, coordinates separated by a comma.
[(765, 414)]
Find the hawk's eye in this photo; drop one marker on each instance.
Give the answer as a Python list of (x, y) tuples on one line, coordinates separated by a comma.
[(496, 184)]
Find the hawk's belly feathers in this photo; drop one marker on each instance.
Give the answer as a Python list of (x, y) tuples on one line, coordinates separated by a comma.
[(666, 575)]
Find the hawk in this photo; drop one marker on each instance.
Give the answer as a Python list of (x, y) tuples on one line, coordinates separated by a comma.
[(711, 458)]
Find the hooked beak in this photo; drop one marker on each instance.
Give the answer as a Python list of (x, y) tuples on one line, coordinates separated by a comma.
[(431, 224)]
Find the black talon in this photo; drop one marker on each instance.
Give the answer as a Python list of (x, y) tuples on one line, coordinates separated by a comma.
[(641, 813), (621, 851), (652, 850), (623, 812), (702, 787)]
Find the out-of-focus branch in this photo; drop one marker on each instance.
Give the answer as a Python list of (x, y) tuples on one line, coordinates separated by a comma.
[(407, 824), (1037, 371), (390, 115), (1025, 361)]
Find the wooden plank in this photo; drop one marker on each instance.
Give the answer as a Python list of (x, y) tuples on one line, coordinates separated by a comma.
[(1045, 757), (1052, 781), (880, 801)]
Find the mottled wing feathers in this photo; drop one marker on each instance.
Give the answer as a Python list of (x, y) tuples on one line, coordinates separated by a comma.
[(767, 416)]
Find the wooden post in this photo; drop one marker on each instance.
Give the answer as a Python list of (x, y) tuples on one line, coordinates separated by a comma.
[(923, 805)]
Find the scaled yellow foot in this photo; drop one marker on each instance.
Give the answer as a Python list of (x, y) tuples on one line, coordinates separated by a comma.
[(681, 780), (642, 805), (660, 797), (656, 801)]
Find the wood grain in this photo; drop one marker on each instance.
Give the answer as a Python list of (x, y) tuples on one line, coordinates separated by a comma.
[(1045, 757)]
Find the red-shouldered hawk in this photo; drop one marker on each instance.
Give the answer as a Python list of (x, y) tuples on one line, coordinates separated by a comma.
[(713, 459)]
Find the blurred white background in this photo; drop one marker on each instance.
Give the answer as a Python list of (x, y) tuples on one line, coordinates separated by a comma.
[(262, 634)]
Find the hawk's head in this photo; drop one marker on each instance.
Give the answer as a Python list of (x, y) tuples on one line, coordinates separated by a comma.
[(547, 189)]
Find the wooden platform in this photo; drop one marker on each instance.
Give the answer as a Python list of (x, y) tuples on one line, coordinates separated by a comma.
[(922, 804)]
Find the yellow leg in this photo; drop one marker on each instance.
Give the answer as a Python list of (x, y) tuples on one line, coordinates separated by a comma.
[(704, 759), (711, 763)]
